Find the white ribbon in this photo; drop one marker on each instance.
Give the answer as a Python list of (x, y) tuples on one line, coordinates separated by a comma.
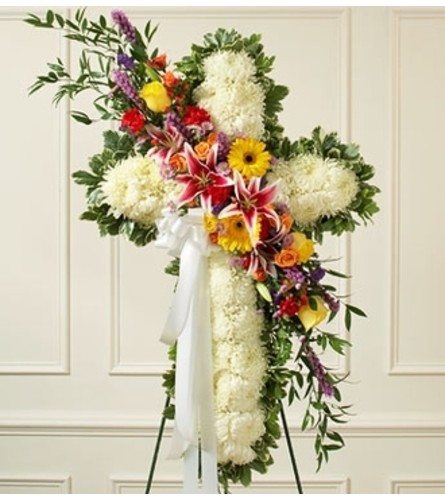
[(188, 323)]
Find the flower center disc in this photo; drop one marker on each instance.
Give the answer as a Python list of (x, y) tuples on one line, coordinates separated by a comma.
[(249, 158)]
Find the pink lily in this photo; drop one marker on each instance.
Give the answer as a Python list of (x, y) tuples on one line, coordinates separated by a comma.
[(201, 176), (251, 200), (166, 142)]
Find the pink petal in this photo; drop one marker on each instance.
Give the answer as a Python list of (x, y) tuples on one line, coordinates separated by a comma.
[(196, 168), (220, 180), (232, 209), (190, 192), (265, 196)]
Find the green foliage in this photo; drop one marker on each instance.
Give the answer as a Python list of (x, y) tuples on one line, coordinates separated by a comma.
[(97, 59)]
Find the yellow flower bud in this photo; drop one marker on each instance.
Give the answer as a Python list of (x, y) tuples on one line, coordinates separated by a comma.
[(303, 246), (155, 96), (311, 318)]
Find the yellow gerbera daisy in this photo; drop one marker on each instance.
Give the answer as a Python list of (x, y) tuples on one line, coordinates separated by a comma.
[(234, 236), (249, 157)]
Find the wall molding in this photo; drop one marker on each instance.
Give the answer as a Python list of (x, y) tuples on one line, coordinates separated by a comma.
[(129, 426), (122, 483), (117, 365), (396, 365), (235, 12), (61, 366), (60, 483), (418, 485)]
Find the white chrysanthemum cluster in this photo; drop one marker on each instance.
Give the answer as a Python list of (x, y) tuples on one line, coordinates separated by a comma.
[(239, 361), (231, 94), (313, 187), (135, 188)]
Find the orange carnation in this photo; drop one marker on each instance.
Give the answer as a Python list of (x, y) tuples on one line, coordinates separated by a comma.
[(288, 257)]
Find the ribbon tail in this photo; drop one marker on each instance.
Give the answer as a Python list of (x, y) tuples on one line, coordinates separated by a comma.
[(206, 409)]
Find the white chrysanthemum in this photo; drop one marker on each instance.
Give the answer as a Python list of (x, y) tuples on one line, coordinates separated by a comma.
[(135, 188), (313, 187), (231, 94), (239, 361)]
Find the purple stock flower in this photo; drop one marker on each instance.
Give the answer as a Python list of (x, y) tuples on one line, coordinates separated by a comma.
[(172, 120), (125, 61), (295, 275), (123, 82), (223, 146), (124, 24), (319, 371)]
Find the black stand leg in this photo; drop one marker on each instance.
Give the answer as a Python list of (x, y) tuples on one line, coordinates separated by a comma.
[(156, 451), (161, 432), (291, 450)]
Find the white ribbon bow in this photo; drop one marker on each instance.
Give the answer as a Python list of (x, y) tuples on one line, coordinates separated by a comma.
[(188, 323)]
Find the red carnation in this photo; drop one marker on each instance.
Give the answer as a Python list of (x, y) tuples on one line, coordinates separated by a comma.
[(288, 306), (133, 120), (194, 115)]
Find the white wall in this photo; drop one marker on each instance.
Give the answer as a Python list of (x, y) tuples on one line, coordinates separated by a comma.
[(80, 316)]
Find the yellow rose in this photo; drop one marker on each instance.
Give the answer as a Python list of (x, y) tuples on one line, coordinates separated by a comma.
[(311, 318), (155, 96), (303, 246)]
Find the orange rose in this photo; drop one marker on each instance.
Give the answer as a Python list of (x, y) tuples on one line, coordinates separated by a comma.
[(288, 257), (201, 150), (287, 221), (260, 275), (178, 162)]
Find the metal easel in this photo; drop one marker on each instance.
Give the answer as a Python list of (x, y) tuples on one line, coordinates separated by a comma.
[(286, 434)]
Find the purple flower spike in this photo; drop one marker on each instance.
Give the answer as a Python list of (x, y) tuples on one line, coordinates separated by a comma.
[(124, 25), (320, 373), (123, 82)]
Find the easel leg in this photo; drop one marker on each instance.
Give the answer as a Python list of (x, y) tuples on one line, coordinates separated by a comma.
[(291, 450), (156, 450)]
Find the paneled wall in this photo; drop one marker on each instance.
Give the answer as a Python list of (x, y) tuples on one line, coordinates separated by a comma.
[(80, 316)]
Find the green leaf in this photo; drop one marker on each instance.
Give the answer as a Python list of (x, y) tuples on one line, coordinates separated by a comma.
[(348, 319), (246, 475), (81, 117), (337, 274), (83, 177), (356, 310), (50, 17), (169, 412), (60, 20), (88, 215)]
